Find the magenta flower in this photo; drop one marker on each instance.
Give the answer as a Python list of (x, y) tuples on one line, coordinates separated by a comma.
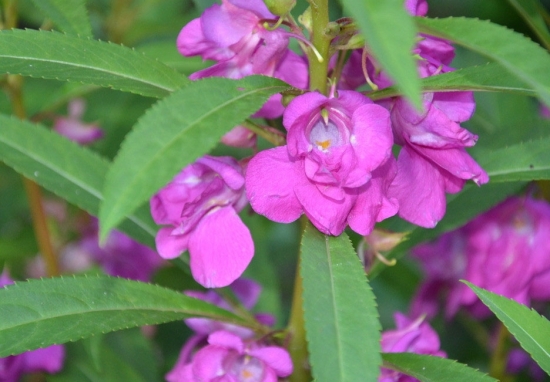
[(335, 168), (504, 250), (49, 359), (199, 211), (417, 7), (73, 128), (234, 35), (228, 358), (410, 336), (544, 111)]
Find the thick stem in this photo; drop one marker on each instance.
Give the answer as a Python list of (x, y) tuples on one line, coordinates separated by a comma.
[(34, 194), (318, 70)]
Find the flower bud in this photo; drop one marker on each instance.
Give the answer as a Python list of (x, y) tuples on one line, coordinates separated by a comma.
[(280, 7)]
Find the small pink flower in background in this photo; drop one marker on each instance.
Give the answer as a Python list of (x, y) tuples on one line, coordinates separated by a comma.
[(410, 336), (335, 168), (504, 250), (228, 358), (49, 359), (240, 136), (233, 34), (72, 126), (417, 7), (519, 360), (199, 211)]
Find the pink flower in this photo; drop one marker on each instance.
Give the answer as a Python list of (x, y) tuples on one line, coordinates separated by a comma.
[(504, 250), (544, 111), (73, 128), (199, 207), (411, 336), (417, 7), (49, 359), (233, 34), (228, 358), (335, 168)]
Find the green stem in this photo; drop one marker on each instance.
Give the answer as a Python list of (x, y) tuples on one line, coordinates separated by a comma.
[(499, 359), (296, 330), (268, 133), (318, 70)]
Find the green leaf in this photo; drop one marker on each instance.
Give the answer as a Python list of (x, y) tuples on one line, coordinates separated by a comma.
[(391, 35), (488, 78), (522, 57), (341, 320), (528, 327), (69, 15), (432, 369), (461, 208), (531, 11), (531, 161), (54, 55), (174, 133), (39, 313), (73, 172)]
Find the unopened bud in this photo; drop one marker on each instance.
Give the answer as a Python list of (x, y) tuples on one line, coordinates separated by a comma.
[(280, 7)]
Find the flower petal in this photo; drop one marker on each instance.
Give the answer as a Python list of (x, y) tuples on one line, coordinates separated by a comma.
[(220, 248), (270, 181), (170, 246), (276, 358)]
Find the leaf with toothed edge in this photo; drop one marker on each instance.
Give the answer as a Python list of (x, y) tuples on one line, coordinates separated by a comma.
[(174, 133), (57, 56), (427, 368), (521, 56), (40, 313), (341, 320), (528, 327)]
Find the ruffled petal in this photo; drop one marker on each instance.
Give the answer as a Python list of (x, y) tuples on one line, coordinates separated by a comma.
[(302, 106), (328, 215), (276, 358), (458, 106), (220, 248), (270, 181), (419, 188), (227, 168), (227, 24), (226, 340), (170, 246)]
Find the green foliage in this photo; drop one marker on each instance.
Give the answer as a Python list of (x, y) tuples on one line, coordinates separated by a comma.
[(73, 172), (530, 329), (54, 55), (519, 55), (432, 369), (40, 313), (487, 78), (341, 320), (69, 15), (174, 133), (391, 36)]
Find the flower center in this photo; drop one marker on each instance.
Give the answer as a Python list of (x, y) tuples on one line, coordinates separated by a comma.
[(324, 135)]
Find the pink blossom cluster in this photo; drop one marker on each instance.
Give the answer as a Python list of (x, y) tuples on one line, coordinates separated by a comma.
[(49, 359), (410, 336), (337, 167), (505, 250), (223, 352)]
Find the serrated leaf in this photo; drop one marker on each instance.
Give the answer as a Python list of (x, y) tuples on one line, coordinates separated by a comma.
[(341, 319), (73, 172), (461, 208), (391, 35), (518, 54), (39, 313), (531, 161), (488, 78), (528, 327), (53, 55), (69, 15), (427, 368), (174, 133), (531, 10)]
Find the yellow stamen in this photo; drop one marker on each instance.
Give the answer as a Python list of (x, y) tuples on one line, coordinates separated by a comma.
[(247, 374), (324, 144)]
